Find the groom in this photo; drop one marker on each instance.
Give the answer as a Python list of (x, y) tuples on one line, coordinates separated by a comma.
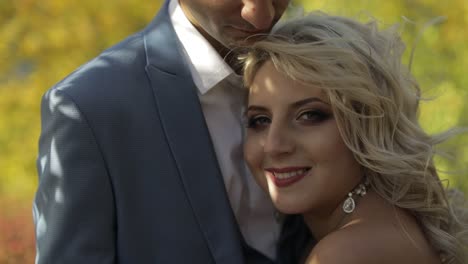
[(140, 156)]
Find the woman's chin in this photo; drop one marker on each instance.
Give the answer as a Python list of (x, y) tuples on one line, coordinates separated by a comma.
[(288, 211), (289, 207)]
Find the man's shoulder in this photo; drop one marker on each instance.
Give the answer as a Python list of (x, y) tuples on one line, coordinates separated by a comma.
[(102, 85), (110, 77), (114, 63)]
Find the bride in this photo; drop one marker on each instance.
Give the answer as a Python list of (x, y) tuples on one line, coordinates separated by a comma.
[(332, 134)]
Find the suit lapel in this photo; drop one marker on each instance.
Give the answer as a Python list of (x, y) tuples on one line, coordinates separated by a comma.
[(189, 140)]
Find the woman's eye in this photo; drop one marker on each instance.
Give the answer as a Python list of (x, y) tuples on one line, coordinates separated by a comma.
[(257, 121), (313, 116)]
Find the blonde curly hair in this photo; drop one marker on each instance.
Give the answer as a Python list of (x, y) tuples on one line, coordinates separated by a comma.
[(375, 102)]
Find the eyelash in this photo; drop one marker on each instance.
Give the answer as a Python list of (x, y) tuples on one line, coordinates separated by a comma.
[(252, 122), (315, 117)]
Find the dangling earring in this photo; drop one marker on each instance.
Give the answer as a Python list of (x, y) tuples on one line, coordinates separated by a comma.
[(350, 204)]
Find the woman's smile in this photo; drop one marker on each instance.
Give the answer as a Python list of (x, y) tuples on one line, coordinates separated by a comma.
[(293, 145), (284, 177)]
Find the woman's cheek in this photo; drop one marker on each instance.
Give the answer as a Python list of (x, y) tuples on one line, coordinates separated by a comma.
[(253, 157)]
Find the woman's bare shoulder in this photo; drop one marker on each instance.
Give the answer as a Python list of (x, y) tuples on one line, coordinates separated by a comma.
[(362, 244), (339, 247)]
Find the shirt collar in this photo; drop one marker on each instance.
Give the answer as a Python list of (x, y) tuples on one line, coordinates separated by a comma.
[(206, 66)]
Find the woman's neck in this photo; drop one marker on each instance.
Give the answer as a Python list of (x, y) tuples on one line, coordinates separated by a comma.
[(323, 224)]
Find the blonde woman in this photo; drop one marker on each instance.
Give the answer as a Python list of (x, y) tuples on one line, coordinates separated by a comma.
[(332, 134)]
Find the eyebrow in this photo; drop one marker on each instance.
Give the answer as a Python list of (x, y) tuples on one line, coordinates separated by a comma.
[(308, 100), (293, 105)]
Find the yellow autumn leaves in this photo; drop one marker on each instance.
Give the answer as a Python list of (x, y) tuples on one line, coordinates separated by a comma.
[(42, 41)]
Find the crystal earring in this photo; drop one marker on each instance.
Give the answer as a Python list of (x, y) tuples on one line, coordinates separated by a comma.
[(349, 204)]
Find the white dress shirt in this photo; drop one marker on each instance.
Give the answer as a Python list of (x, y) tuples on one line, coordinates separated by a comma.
[(221, 96)]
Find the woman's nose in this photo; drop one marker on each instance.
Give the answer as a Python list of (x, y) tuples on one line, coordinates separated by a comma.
[(259, 13), (278, 142)]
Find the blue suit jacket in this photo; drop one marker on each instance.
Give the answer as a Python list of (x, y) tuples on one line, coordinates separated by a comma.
[(126, 166)]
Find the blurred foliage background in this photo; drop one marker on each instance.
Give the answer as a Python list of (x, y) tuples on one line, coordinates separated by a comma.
[(43, 41)]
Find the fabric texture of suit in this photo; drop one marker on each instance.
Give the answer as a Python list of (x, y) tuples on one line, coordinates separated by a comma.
[(126, 165)]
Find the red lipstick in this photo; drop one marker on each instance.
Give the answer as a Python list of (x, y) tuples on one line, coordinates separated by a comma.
[(281, 178)]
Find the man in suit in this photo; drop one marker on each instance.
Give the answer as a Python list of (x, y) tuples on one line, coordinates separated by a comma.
[(140, 156)]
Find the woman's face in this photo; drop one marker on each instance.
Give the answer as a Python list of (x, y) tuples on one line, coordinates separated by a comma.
[(293, 146)]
